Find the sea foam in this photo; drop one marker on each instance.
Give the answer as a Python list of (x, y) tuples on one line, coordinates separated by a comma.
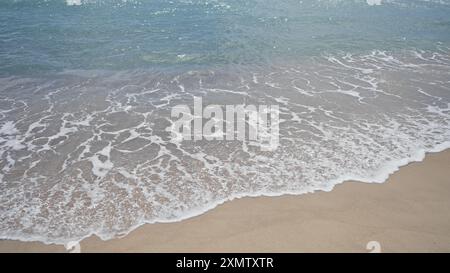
[(92, 155)]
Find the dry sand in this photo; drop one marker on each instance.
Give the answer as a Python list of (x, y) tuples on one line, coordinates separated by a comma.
[(408, 213)]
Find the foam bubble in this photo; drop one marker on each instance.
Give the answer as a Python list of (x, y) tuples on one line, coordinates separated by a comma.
[(373, 2), (74, 2)]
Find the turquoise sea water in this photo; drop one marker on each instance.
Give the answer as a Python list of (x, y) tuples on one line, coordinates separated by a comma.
[(39, 36), (87, 88)]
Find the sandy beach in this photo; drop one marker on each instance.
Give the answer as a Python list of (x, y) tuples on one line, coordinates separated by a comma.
[(408, 213)]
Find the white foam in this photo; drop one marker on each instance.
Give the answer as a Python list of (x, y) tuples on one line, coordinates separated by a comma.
[(74, 2), (107, 166), (101, 168), (374, 2), (8, 128)]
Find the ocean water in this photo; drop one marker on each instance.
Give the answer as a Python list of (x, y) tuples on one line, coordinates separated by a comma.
[(87, 86)]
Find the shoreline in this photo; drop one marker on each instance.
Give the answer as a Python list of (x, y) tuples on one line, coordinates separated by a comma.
[(407, 218)]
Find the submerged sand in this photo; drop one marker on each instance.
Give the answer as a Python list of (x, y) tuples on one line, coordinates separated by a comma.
[(408, 213)]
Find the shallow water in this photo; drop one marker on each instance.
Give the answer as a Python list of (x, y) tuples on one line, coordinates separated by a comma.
[(86, 93)]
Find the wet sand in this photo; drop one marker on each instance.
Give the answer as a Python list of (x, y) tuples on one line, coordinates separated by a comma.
[(408, 213)]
